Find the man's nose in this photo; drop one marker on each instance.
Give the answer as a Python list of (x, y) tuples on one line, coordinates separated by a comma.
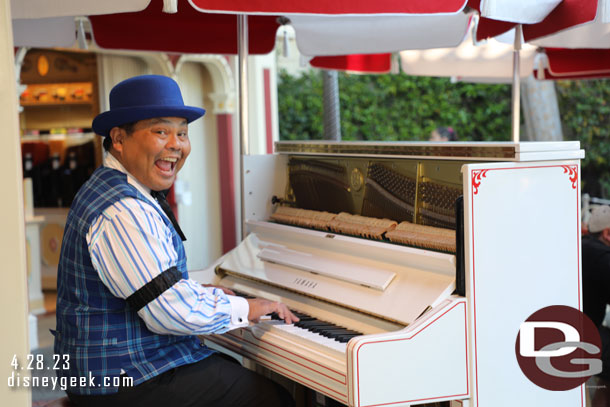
[(174, 142)]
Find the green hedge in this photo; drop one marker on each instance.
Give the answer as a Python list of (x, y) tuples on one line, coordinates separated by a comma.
[(394, 107), (401, 107), (585, 116)]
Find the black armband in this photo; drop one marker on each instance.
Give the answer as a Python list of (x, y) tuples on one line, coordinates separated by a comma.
[(154, 288)]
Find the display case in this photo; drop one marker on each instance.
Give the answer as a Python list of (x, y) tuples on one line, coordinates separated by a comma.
[(58, 101)]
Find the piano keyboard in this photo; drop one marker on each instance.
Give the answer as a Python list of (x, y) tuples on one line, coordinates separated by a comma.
[(312, 329)]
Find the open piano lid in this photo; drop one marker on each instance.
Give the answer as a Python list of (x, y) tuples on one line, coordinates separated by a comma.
[(393, 282)]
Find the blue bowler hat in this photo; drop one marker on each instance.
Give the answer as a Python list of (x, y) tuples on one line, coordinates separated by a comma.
[(144, 97)]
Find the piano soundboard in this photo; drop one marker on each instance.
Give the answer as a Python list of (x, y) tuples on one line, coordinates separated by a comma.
[(395, 324)]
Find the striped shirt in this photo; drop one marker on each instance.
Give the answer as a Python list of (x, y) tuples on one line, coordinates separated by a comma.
[(129, 245)]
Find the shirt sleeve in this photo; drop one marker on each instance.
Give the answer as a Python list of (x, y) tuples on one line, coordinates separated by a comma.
[(130, 245)]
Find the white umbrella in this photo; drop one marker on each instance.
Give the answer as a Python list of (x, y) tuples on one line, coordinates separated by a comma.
[(43, 23), (486, 61)]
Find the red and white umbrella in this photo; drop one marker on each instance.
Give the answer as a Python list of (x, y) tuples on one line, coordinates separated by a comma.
[(322, 28), (358, 30), (538, 18), (579, 52), (563, 63), (184, 31), (574, 37), (42, 23)]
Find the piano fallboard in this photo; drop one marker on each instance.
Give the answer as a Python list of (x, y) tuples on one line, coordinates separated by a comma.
[(387, 281)]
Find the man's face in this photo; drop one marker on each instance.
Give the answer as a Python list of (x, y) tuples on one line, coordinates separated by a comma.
[(434, 136), (155, 151)]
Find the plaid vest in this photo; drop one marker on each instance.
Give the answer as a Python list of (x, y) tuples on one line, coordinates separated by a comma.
[(101, 333)]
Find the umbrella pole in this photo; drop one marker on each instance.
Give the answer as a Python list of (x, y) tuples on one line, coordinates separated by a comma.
[(244, 149), (516, 85)]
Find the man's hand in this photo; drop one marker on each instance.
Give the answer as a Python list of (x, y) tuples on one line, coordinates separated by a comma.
[(226, 290), (260, 307)]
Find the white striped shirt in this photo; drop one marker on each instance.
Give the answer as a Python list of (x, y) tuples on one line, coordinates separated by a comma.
[(129, 245)]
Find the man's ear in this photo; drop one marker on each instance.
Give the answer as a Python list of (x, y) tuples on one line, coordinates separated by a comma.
[(117, 135)]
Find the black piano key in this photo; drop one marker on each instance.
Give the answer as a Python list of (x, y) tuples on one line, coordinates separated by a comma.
[(322, 328), (308, 323), (345, 338), (333, 333)]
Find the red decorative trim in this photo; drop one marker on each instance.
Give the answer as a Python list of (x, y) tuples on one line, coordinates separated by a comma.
[(297, 356), (275, 366), (574, 178), (429, 323), (476, 179), (572, 170)]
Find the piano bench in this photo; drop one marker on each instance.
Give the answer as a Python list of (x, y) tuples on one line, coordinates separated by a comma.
[(62, 402)]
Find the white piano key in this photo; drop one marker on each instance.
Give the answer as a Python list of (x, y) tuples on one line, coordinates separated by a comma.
[(309, 336)]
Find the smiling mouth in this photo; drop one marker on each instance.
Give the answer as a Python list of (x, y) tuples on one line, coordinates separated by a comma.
[(167, 164)]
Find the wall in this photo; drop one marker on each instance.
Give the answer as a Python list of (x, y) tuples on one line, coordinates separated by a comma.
[(13, 290), (197, 188), (263, 124)]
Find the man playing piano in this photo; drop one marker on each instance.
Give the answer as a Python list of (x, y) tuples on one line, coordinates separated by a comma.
[(125, 306)]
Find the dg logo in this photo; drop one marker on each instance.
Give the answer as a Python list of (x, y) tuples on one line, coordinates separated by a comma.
[(558, 348)]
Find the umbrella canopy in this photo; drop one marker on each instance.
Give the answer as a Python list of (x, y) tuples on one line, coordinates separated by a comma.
[(317, 35), (594, 34), (562, 63), (486, 61), (538, 17), (42, 23), (28, 9), (356, 63), (322, 28), (574, 38), (185, 31), (329, 7), (368, 34)]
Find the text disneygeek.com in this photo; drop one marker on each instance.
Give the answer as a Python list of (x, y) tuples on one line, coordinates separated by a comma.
[(64, 383), (36, 364)]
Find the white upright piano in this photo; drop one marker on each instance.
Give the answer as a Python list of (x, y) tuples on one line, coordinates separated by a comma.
[(392, 324)]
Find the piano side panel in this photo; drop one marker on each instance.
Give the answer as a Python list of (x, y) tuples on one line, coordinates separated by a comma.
[(522, 254), (294, 359), (265, 176), (423, 363)]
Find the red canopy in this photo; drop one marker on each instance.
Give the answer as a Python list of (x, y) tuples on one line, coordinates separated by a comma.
[(363, 63), (567, 14), (187, 31), (329, 7), (575, 64)]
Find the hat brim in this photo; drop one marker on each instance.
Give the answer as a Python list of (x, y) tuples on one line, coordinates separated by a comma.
[(104, 122)]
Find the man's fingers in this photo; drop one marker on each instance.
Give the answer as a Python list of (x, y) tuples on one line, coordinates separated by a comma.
[(285, 314), (260, 307)]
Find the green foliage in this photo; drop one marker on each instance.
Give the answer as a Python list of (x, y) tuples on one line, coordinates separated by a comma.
[(401, 107), (585, 116), (394, 107)]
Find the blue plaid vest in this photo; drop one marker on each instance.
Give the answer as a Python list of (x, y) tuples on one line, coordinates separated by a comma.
[(101, 333)]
